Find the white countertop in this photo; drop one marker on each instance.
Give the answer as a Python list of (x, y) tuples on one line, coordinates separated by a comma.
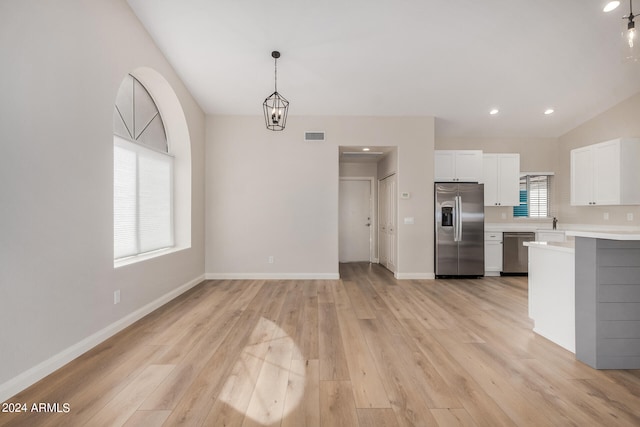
[(615, 235), (553, 246)]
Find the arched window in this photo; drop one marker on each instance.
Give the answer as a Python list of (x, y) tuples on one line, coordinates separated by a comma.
[(143, 174)]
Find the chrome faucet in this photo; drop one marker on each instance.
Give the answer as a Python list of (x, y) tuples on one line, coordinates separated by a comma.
[(555, 222)]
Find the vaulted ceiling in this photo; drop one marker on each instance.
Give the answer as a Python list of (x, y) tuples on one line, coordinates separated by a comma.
[(452, 59)]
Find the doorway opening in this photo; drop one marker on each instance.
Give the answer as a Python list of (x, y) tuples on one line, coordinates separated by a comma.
[(362, 176)]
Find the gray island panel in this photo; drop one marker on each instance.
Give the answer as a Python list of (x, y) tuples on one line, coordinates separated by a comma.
[(608, 302)]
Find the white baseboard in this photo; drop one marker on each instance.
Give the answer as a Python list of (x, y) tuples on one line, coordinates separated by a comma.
[(414, 276), (272, 276), (38, 372)]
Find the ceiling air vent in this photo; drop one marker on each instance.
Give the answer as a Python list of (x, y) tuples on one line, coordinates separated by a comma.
[(314, 136)]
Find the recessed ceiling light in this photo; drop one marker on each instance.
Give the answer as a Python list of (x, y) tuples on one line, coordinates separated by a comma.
[(494, 111), (610, 6), (548, 111), (366, 149)]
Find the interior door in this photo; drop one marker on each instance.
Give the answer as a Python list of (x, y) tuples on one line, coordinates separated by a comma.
[(354, 220), (383, 250), (387, 218)]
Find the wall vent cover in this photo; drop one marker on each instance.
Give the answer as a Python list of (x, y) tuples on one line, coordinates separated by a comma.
[(314, 136)]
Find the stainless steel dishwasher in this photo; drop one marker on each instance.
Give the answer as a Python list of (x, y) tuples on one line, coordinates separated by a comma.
[(515, 256)]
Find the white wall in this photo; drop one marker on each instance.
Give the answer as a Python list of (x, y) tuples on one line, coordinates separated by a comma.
[(62, 64), (272, 194), (622, 120), (359, 170)]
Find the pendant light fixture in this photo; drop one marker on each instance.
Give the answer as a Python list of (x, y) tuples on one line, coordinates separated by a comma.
[(275, 106), (631, 44)]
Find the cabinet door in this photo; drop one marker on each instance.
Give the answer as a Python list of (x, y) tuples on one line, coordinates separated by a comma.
[(468, 165), (490, 178), (444, 166), (493, 252), (606, 161), (509, 179), (582, 175)]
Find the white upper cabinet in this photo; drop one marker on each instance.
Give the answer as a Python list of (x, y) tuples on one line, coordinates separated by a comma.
[(501, 179), (606, 173), (458, 165)]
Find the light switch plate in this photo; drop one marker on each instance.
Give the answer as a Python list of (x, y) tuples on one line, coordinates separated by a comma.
[(409, 220), (606, 215), (629, 216)]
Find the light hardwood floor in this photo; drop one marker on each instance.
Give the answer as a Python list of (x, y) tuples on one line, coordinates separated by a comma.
[(366, 350)]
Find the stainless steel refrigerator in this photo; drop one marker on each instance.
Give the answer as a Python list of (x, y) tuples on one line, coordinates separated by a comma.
[(459, 229)]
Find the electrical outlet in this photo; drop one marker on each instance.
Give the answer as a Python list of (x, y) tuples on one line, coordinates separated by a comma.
[(503, 215), (116, 297), (606, 216), (629, 216), (270, 260)]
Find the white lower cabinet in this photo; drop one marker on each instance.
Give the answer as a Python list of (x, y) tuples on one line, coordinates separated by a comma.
[(492, 253)]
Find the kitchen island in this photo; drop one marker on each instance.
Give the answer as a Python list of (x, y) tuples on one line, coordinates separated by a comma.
[(587, 298), (551, 291)]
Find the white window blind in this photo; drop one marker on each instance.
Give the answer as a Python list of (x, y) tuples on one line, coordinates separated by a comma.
[(539, 196), (143, 192), (535, 196)]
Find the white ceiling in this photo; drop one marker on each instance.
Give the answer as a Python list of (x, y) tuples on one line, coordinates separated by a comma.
[(452, 59)]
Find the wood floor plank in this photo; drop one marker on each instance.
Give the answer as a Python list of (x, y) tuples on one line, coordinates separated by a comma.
[(302, 403), (453, 418), (333, 362), (325, 292), (337, 408), (125, 404), (147, 419), (266, 406), (307, 333), (369, 392), (340, 297), (377, 417)]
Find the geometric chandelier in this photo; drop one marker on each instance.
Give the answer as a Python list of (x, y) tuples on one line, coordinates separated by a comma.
[(275, 105)]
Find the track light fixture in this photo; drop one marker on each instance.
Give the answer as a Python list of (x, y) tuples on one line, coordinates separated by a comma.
[(275, 106)]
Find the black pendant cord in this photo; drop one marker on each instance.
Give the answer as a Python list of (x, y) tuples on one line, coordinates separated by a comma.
[(275, 55), (275, 73)]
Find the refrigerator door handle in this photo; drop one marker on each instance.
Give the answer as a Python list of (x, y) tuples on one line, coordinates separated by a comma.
[(456, 219), (459, 218)]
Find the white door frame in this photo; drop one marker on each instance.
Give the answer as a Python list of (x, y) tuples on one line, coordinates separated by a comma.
[(373, 212)]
